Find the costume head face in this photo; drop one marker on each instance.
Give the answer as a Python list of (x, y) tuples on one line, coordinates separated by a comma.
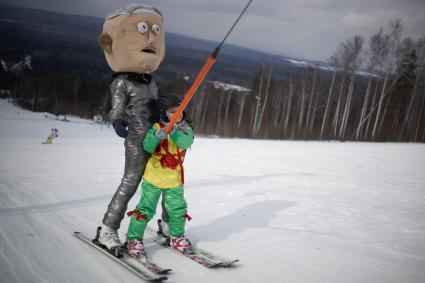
[(133, 39)]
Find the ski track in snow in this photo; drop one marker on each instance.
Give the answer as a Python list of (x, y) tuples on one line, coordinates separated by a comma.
[(290, 211), (54, 206)]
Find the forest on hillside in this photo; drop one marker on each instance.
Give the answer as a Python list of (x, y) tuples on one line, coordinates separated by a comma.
[(375, 92)]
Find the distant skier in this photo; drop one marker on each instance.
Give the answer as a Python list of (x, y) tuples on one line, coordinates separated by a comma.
[(134, 46), (53, 134), (163, 174)]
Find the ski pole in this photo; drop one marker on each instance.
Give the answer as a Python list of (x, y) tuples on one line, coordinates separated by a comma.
[(202, 74)]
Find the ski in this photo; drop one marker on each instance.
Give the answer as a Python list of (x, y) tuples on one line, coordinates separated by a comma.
[(153, 267), (198, 255), (118, 257)]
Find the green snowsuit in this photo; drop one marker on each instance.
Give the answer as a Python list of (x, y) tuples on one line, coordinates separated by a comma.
[(163, 174)]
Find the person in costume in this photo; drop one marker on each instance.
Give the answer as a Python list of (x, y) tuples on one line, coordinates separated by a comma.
[(164, 174), (133, 44)]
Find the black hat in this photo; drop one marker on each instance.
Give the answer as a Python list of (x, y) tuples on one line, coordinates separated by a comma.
[(165, 102)]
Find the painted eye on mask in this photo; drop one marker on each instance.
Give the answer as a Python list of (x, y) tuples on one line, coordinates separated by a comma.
[(156, 29), (142, 27)]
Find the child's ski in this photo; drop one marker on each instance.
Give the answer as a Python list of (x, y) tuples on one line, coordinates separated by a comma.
[(118, 257), (201, 256), (149, 264)]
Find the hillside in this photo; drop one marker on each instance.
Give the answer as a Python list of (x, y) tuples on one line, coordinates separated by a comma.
[(67, 43)]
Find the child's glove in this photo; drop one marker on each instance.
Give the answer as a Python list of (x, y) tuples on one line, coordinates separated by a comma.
[(160, 133), (183, 126), (120, 128), (173, 129)]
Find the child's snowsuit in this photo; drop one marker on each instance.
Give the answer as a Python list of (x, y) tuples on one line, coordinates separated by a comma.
[(163, 173)]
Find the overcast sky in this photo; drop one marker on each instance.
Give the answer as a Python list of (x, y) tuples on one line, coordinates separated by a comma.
[(310, 29)]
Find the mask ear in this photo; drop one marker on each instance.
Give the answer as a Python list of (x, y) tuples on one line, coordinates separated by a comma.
[(105, 42)]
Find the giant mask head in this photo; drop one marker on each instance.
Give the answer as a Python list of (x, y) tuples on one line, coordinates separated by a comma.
[(133, 39)]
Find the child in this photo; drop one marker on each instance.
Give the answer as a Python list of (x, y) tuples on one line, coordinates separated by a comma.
[(163, 174), (53, 134)]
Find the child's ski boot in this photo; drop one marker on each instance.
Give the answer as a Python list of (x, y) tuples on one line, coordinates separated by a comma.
[(181, 244), (136, 248)]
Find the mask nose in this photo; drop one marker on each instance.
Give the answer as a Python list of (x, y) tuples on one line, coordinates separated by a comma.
[(151, 38)]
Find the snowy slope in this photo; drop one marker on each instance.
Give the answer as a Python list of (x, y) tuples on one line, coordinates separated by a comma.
[(290, 211)]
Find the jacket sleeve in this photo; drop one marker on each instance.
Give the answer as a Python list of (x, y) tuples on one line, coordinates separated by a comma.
[(151, 141), (183, 139), (118, 91)]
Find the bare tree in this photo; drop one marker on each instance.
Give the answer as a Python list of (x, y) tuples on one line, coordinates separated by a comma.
[(220, 106), (241, 108), (339, 60), (328, 100), (226, 113), (375, 53), (420, 89), (369, 116), (311, 102), (391, 42), (264, 103), (315, 106), (352, 52), (413, 51), (258, 99), (419, 122), (302, 102), (289, 105), (277, 103)]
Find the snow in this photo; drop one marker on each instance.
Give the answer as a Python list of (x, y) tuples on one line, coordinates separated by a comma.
[(230, 87), (290, 211), (18, 67), (324, 67)]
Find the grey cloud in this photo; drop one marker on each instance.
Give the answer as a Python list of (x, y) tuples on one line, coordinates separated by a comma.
[(305, 28)]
